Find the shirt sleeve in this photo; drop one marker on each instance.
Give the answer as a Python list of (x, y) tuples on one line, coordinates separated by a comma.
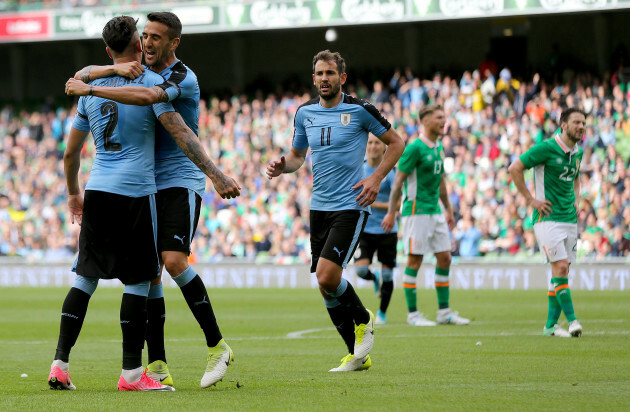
[(188, 85), (374, 121), (535, 156), (300, 140), (81, 121), (172, 89), (161, 108), (408, 160)]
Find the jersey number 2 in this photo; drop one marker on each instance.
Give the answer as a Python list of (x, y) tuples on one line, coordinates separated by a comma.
[(110, 108)]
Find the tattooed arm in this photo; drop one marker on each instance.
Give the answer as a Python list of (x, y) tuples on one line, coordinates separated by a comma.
[(136, 95), (189, 143), (129, 69)]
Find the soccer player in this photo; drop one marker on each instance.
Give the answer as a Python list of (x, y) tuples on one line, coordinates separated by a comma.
[(556, 163), (425, 227), (180, 186), (335, 126), (374, 239), (117, 215)]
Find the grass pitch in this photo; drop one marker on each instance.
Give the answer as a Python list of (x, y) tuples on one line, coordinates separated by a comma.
[(284, 345)]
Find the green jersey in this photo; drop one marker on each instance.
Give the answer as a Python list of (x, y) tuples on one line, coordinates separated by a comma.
[(423, 161), (555, 169)]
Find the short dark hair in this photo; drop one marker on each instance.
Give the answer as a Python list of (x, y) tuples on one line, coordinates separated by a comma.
[(428, 109), (566, 113), (170, 20), (118, 32), (327, 55)]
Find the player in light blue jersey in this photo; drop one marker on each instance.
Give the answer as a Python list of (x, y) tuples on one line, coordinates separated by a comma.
[(374, 238), (180, 186), (335, 126), (118, 214)]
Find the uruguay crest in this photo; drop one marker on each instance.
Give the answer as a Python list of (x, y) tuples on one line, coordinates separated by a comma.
[(345, 118)]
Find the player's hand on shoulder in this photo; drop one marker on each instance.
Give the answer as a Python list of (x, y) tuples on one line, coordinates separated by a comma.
[(226, 187), (276, 167), (129, 69), (76, 87), (371, 186)]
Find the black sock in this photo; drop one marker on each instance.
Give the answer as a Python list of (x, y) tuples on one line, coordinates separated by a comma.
[(342, 319), (156, 315), (387, 288), (199, 303), (72, 315), (350, 299), (133, 322), (370, 275)]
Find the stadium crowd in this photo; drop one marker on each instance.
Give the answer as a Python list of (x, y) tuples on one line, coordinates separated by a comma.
[(492, 119)]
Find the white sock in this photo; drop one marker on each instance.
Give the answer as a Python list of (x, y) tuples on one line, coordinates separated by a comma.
[(64, 366), (132, 375)]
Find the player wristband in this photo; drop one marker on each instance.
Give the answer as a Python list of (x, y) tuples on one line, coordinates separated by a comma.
[(90, 90)]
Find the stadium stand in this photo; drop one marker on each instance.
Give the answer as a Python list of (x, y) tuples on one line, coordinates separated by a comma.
[(492, 119)]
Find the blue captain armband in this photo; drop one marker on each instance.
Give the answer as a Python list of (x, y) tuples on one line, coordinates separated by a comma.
[(171, 88)]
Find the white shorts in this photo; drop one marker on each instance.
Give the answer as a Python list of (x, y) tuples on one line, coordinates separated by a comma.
[(556, 240), (424, 234)]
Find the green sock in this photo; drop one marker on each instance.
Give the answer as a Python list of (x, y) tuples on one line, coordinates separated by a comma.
[(563, 294), (409, 285), (555, 310), (442, 287)]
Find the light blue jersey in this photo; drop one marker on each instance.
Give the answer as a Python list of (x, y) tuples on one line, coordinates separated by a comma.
[(124, 136), (172, 167), (373, 225), (338, 138)]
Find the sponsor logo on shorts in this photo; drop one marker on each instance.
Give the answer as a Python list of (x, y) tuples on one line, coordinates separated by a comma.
[(338, 251)]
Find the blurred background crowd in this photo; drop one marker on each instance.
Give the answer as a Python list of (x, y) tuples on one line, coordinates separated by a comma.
[(492, 118)]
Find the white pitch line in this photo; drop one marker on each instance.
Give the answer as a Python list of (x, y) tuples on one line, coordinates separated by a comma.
[(299, 333)]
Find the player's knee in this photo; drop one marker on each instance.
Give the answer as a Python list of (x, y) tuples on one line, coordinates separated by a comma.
[(388, 275), (361, 271), (414, 261), (444, 261), (326, 283), (174, 264), (561, 269)]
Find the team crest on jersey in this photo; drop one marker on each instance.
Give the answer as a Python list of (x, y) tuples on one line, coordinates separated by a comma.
[(559, 160), (345, 118)]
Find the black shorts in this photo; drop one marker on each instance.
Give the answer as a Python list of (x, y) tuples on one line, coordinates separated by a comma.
[(117, 238), (335, 235), (178, 214), (384, 244)]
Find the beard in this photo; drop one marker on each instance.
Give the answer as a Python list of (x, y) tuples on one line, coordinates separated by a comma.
[(574, 136), (332, 92)]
